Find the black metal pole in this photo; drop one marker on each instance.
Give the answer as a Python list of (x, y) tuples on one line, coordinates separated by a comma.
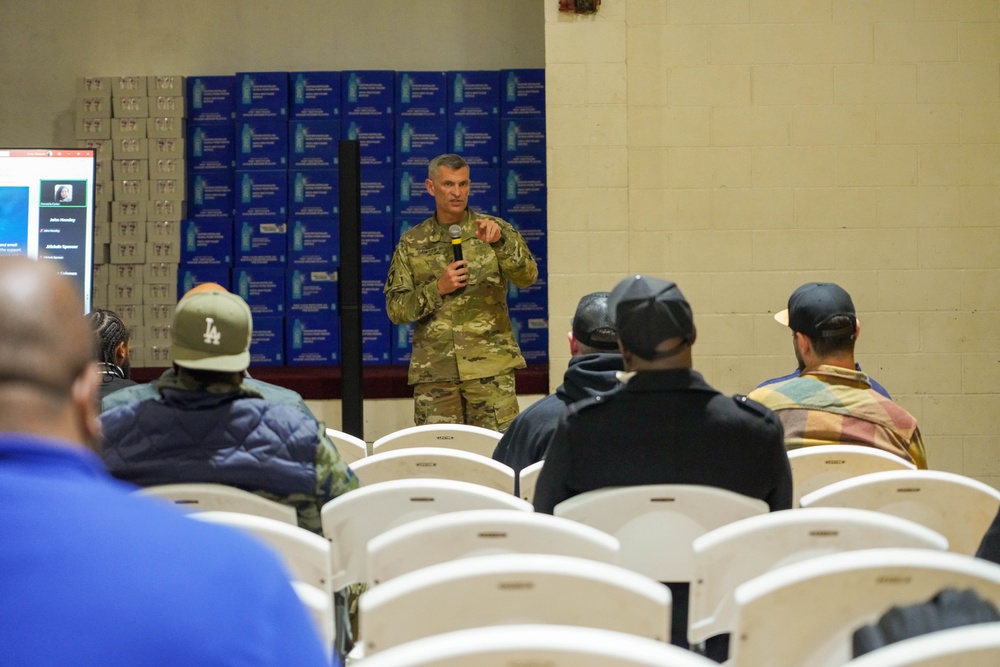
[(352, 389)]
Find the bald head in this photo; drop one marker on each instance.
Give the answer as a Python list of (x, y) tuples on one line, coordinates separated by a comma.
[(46, 346)]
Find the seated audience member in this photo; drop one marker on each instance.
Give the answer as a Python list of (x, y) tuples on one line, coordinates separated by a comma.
[(112, 350), (143, 392), (91, 575), (989, 548), (593, 369), (664, 424), (207, 424), (831, 402)]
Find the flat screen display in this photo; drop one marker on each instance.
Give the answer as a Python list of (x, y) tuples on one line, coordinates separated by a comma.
[(47, 211)]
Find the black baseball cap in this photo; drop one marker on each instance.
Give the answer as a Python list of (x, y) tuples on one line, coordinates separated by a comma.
[(649, 311), (813, 305), (592, 323)]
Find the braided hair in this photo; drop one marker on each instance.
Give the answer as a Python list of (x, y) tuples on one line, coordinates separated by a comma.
[(109, 331)]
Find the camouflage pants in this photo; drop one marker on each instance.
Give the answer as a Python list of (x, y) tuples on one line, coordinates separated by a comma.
[(487, 402)]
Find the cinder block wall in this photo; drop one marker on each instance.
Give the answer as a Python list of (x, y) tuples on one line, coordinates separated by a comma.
[(743, 147)]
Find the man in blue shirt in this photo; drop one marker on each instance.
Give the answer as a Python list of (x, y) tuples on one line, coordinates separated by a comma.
[(92, 575)]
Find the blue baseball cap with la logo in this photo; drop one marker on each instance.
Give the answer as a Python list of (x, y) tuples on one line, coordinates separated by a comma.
[(211, 332)]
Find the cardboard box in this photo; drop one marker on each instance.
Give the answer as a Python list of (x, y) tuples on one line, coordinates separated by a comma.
[(523, 93), (122, 128), (92, 127), (130, 148), (314, 144), (262, 288), (262, 95), (124, 294), (314, 243), (131, 188), (102, 211), (102, 253), (163, 251), (473, 94), (262, 243), (314, 193), (131, 315), (477, 140), (532, 335), (166, 209), (211, 146), (212, 195), (368, 93), (101, 147), (102, 169), (166, 106), (376, 246), (262, 193), (157, 313), (102, 232), (166, 148), (128, 252), (376, 195), (125, 86), (376, 333), (164, 230), (124, 273), (421, 95), (91, 106), (315, 95), (402, 343), (311, 291), (376, 137), (104, 191), (128, 231), (532, 228), (189, 277), (262, 144), (411, 197), (523, 143), (171, 85), (207, 243), (165, 126), (524, 191), (157, 333), (154, 356), (419, 140), (267, 342), (161, 293), (128, 210), (484, 191), (211, 98), (93, 86), (312, 340), (132, 106), (124, 169), (154, 273), (168, 188), (532, 299), (167, 167)]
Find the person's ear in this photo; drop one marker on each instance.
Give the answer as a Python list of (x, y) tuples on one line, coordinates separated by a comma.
[(574, 347), (121, 353), (84, 398), (857, 329), (429, 184)]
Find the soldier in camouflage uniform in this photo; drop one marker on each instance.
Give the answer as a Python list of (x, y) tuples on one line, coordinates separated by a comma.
[(464, 350)]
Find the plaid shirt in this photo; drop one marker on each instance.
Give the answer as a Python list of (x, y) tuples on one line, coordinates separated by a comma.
[(832, 405)]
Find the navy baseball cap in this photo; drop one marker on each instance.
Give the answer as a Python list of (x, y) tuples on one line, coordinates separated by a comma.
[(813, 305), (592, 323)]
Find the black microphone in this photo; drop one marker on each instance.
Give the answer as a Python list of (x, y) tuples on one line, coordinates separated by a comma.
[(456, 241)]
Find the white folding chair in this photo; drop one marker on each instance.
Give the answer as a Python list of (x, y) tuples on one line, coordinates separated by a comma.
[(527, 478), (549, 645), (805, 613), (351, 448), (445, 537), (352, 519), (657, 523), (473, 439), (212, 497), (512, 588), (966, 646), (958, 507), (436, 463), (820, 465), (319, 605), (736, 553)]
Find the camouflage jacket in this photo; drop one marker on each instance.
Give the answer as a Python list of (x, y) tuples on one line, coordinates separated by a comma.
[(466, 334)]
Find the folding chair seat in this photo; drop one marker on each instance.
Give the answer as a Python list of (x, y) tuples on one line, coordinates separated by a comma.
[(437, 463)]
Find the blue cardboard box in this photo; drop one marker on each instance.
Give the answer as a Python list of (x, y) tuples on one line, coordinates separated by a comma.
[(411, 197), (211, 98), (376, 195), (402, 343), (376, 137), (207, 242), (533, 229), (189, 277), (484, 191), (263, 143), (376, 329), (263, 193), (312, 339), (524, 191), (367, 93), (211, 146), (419, 140), (531, 299), (312, 291), (523, 143), (314, 193), (314, 242), (523, 93), (267, 342), (477, 140), (473, 94), (421, 95), (262, 288), (262, 95), (532, 335), (212, 194), (315, 95), (262, 242), (314, 144), (376, 243), (373, 286)]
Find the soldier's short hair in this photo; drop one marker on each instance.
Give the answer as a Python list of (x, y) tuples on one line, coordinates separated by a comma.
[(449, 160)]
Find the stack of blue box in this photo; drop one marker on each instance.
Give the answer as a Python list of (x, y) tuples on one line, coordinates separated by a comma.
[(264, 173)]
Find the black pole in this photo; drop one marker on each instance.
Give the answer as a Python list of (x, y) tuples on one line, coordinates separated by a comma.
[(352, 390)]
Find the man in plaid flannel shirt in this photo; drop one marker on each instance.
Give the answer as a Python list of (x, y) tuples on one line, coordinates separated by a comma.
[(831, 402)]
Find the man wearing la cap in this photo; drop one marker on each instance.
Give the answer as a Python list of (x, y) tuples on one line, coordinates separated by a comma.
[(832, 402), (593, 369), (664, 424), (206, 426)]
